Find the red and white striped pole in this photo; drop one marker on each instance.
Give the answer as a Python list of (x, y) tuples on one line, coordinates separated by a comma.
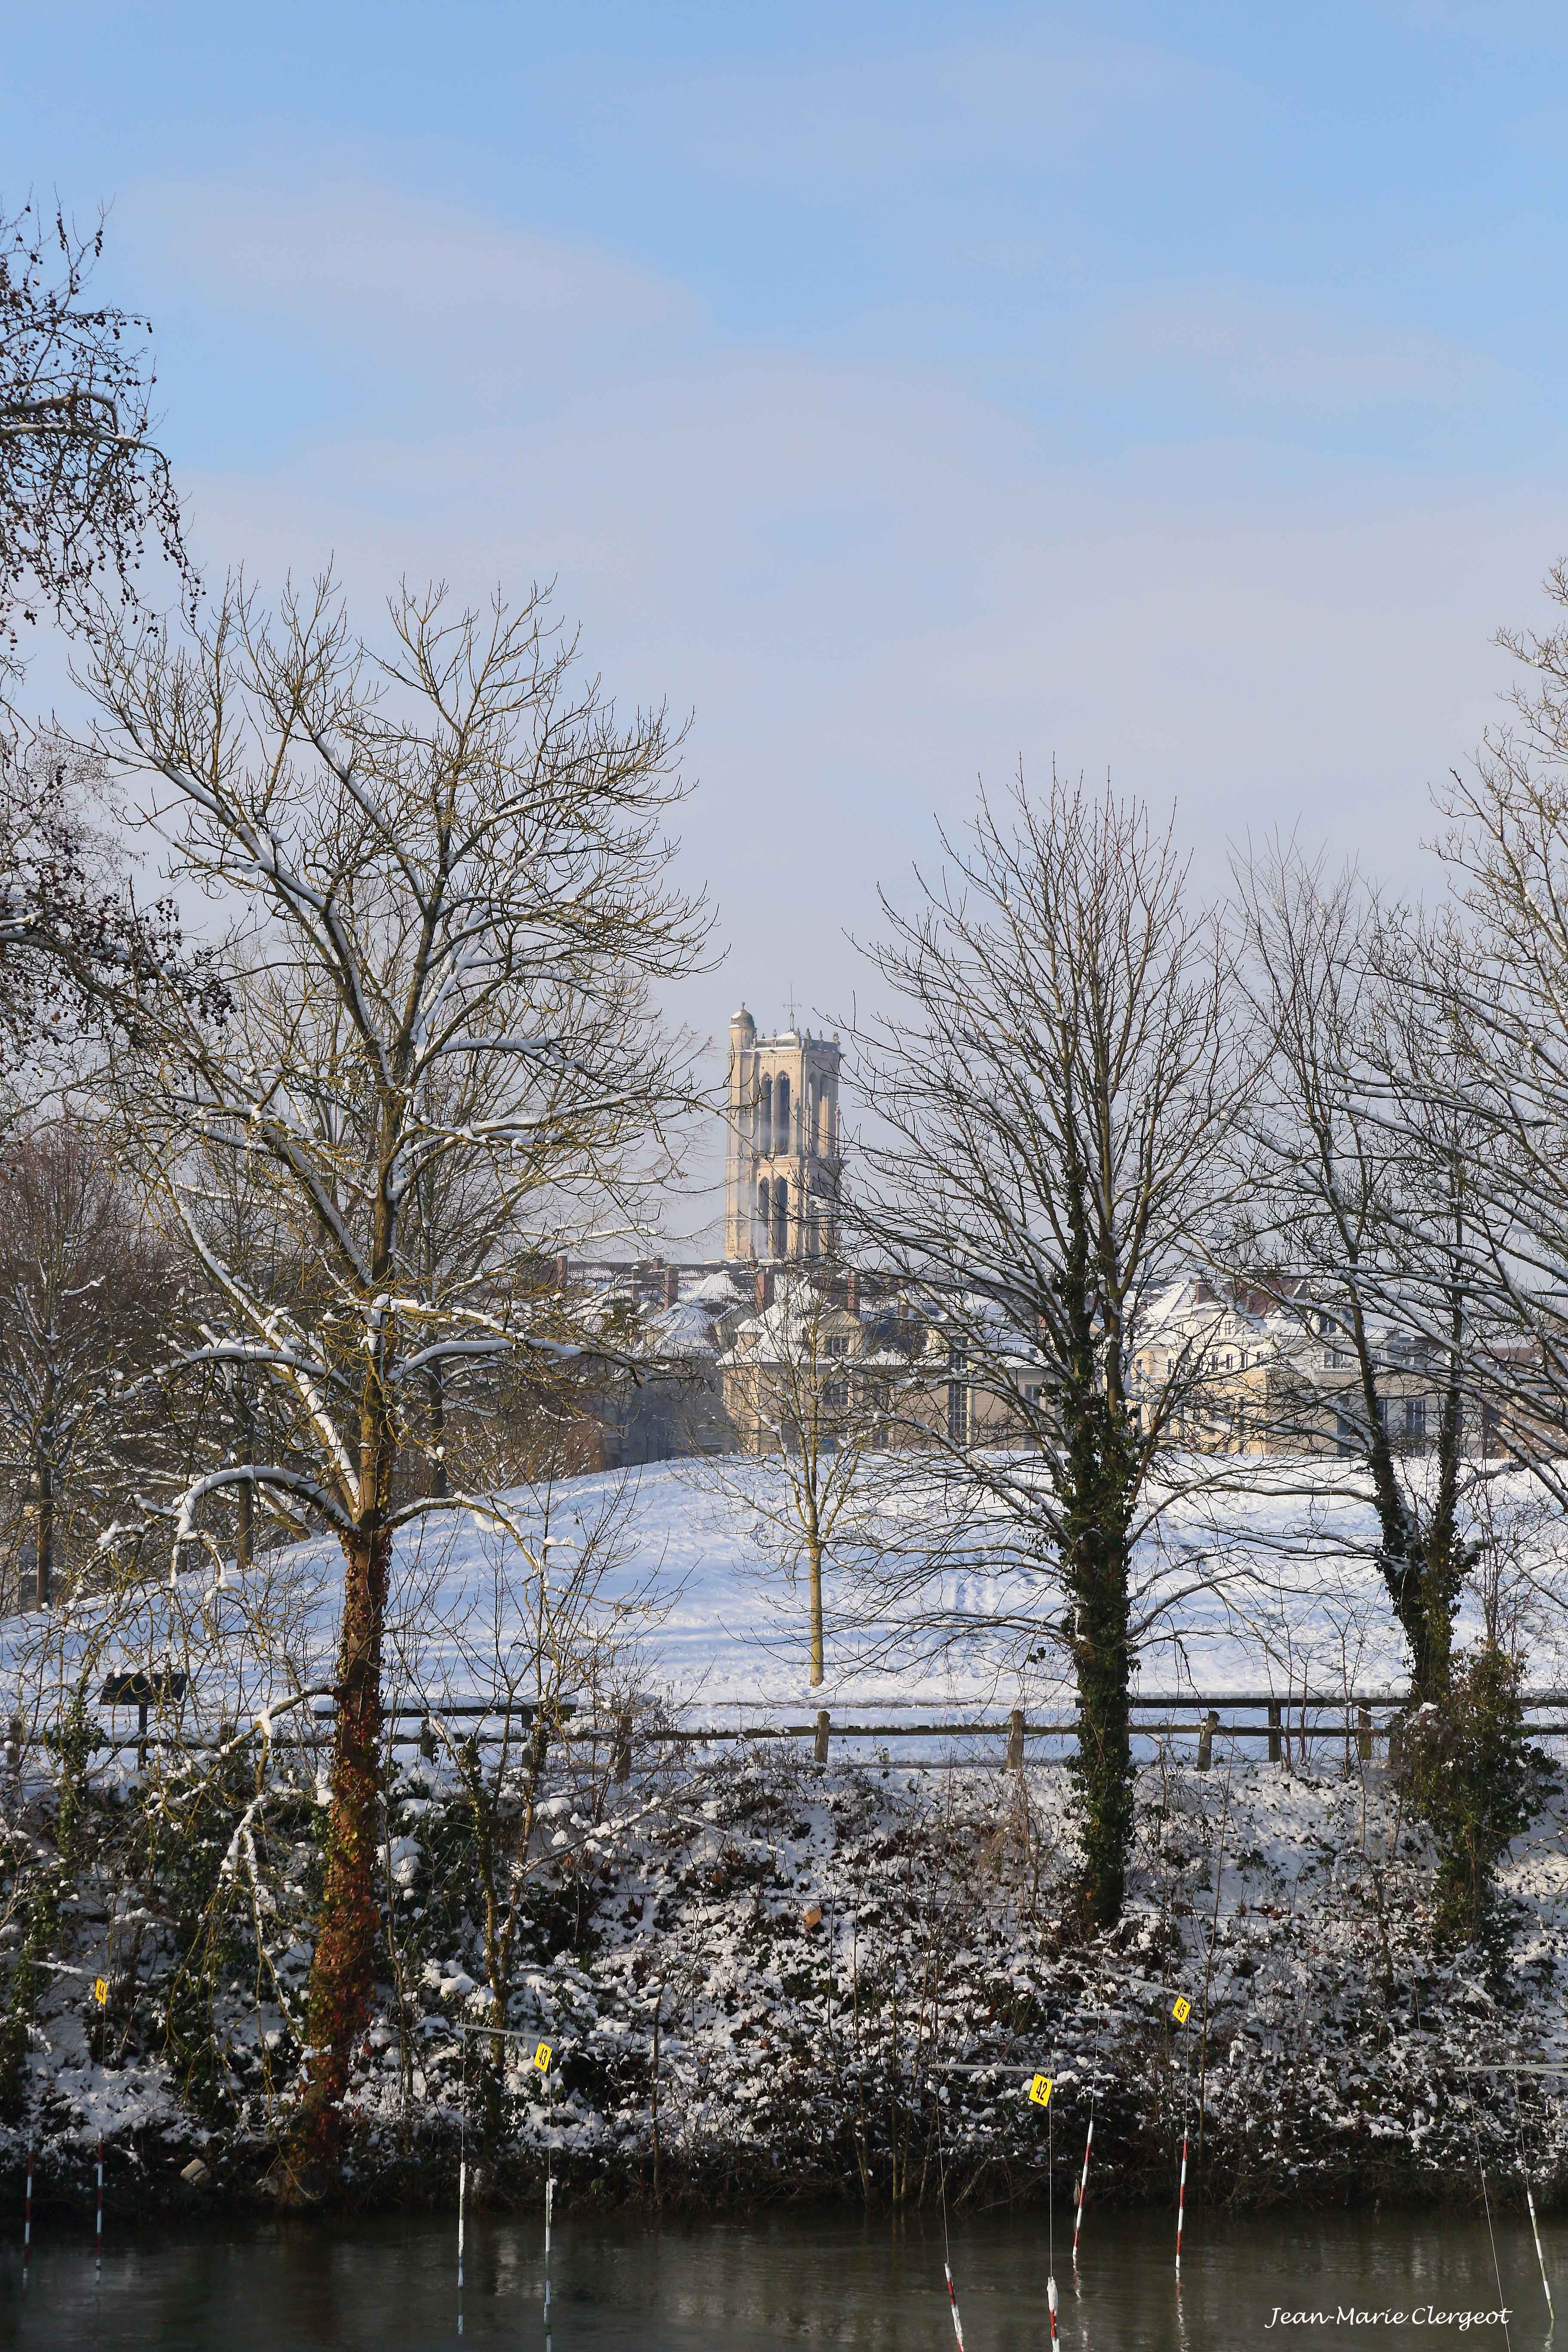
[(1180, 2200), (99, 2267), (1082, 2186), (1051, 2299), (27, 2218), (953, 2304)]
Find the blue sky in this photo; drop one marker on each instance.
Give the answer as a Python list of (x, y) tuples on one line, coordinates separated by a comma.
[(907, 391)]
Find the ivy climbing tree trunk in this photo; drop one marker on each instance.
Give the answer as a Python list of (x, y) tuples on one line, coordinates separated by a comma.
[(1053, 1090)]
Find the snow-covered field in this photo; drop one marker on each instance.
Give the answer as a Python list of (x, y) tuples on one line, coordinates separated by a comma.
[(1270, 1590)]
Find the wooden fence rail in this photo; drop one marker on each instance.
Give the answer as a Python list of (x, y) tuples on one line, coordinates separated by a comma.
[(1290, 1725)]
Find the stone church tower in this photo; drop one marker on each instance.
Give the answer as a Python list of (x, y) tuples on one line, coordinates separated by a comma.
[(781, 1166)]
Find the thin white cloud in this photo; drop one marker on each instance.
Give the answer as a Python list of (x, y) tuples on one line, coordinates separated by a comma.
[(439, 286), (884, 121), (1248, 348)]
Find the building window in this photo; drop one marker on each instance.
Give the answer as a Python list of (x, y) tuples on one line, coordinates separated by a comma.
[(781, 1117), (1415, 1421), (765, 1230), (781, 1211), (766, 1118)]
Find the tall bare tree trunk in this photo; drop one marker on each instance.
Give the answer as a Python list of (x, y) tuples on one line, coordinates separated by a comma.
[(342, 1973), (343, 1970), (816, 1642)]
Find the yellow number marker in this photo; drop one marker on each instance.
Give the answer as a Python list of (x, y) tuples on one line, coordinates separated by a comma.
[(101, 1991), (543, 2056), (1180, 2009), (1040, 2091)]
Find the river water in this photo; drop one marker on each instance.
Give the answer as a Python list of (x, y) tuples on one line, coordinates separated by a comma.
[(391, 2285)]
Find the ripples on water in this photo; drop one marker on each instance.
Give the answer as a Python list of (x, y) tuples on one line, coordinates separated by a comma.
[(687, 2287)]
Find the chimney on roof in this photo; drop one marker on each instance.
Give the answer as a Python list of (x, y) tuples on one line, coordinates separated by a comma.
[(671, 1285), (764, 1287), (560, 1273), (852, 1291)]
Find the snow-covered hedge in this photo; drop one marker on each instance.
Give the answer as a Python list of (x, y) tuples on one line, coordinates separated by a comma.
[(853, 1972)]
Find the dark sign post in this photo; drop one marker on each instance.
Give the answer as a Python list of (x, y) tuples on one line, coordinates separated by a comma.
[(163, 1686)]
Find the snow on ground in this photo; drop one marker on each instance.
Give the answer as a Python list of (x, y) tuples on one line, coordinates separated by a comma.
[(1257, 1591), (1290, 1903)]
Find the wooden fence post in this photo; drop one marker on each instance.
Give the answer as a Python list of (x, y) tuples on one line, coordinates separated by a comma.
[(822, 1728), (1364, 1734), (1206, 1730), (1273, 1743), (1015, 1738)]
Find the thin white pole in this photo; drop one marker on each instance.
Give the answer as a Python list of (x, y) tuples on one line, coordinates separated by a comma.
[(548, 2181), (462, 2193), (1182, 2185), (1181, 2199), (1051, 2218), (1535, 2232)]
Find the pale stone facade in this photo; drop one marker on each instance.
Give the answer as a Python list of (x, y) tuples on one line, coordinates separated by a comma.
[(781, 1157)]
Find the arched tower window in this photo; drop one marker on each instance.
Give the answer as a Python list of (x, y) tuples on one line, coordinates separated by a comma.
[(781, 1217), (765, 1116), (763, 1212), (781, 1114)]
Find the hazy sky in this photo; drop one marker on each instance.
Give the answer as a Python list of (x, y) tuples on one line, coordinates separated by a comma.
[(904, 390)]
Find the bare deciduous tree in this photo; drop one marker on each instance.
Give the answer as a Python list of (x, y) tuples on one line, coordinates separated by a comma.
[(84, 1293), (797, 1388), (71, 930), (1050, 1094), (82, 486), (452, 895), (1508, 848), (1357, 1188)]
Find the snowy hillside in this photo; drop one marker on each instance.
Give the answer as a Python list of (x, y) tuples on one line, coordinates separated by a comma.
[(1256, 1594)]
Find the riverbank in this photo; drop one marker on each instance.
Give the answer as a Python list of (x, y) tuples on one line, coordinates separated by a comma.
[(766, 1982)]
